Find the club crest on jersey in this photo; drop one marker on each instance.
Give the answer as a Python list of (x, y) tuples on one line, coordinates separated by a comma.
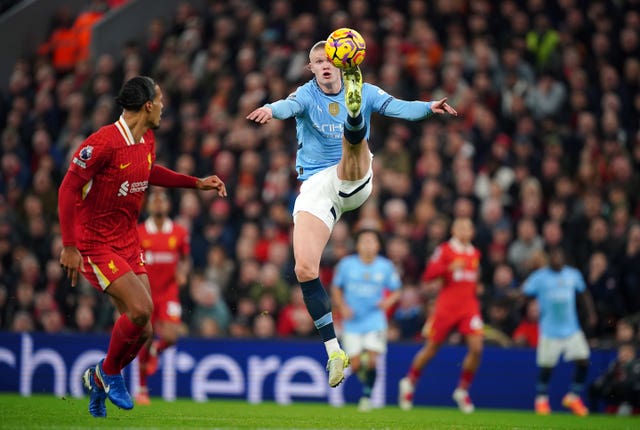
[(334, 108), (86, 153)]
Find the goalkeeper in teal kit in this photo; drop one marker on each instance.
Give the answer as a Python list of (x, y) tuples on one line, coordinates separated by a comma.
[(332, 113)]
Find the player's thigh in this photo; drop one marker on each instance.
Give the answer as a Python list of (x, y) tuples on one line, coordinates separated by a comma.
[(548, 351), (353, 194), (438, 327), (353, 343), (471, 324), (317, 197), (167, 319), (310, 236), (576, 347), (102, 267), (375, 341)]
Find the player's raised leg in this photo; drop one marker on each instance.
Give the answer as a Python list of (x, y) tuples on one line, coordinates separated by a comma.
[(356, 156), (310, 236)]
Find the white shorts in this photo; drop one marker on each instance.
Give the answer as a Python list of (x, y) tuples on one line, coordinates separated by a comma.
[(574, 347), (357, 343), (327, 197)]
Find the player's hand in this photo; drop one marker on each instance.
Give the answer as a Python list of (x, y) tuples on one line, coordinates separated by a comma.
[(441, 107), (456, 264), (346, 312), (212, 183), (71, 262), (261, 115)]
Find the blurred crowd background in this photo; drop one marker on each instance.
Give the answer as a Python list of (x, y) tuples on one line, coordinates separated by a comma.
[(545, 151)]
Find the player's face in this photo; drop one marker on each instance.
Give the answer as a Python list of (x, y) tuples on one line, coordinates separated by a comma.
[(463, 230), (368, 245), (326, 73), (158, 204), (156, 110), (556, 259)]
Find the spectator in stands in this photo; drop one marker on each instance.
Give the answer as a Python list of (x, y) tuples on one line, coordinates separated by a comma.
[(527, 331), (619, 386), (527, 242)]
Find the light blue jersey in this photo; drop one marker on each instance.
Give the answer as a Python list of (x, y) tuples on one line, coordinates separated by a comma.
[(363, 288), (556, 294), (320, 119)]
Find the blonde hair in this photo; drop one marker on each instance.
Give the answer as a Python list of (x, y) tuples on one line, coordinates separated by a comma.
[(316, 46)]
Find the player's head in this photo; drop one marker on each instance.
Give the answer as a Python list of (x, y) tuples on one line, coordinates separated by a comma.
[(325, 72), (462, 229), (142, 94), (368, 243), (158, 204), (556, 257)]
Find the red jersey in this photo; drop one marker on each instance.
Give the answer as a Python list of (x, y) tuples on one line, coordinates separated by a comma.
[(163, 248), (460, 285), (116, 170)]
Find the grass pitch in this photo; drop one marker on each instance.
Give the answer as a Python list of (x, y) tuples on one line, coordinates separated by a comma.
[(50, 412)]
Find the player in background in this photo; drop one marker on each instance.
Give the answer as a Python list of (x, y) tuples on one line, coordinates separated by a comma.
[(555, 287), (358, 292), (332, 113), (99, 204), (455, 264), (167, 258)]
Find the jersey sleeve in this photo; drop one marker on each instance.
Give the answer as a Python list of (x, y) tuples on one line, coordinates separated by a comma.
[(387, 105), (393, 282), (91, 156), (580, 285), (530, 287), (289, 107), (437, 265)]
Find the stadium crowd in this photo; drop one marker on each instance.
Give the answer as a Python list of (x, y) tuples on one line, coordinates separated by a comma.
[(545, 151)]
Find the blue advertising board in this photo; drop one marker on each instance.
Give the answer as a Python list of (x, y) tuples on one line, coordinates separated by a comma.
[(284, 371)]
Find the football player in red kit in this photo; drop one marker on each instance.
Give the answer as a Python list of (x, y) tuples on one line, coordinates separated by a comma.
[(456, 264), (99, 204), (166, 253)]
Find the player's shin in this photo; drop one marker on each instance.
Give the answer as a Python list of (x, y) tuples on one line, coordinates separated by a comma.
[(319, 307), (579, 377), (369, 382), (124, 335)]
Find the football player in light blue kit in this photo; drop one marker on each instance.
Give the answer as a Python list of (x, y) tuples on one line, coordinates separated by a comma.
[(555, 288), (359, 291), (332, 113)]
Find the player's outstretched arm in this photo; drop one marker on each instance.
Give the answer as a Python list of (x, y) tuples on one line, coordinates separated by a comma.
[(212, 183), (164, 177), (410, 110)]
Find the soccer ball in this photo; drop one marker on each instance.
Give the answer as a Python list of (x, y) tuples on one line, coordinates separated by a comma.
[(345, 48)]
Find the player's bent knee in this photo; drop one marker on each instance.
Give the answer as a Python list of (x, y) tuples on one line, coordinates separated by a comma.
[(306, 272)]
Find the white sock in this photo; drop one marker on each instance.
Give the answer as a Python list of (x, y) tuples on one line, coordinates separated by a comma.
[(332, 346)]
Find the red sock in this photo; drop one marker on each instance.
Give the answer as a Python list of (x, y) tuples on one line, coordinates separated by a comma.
[(143, 357), (142, 378), (161, 345), (414, 374), (124, 335), (466, 377), (133, 351)]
